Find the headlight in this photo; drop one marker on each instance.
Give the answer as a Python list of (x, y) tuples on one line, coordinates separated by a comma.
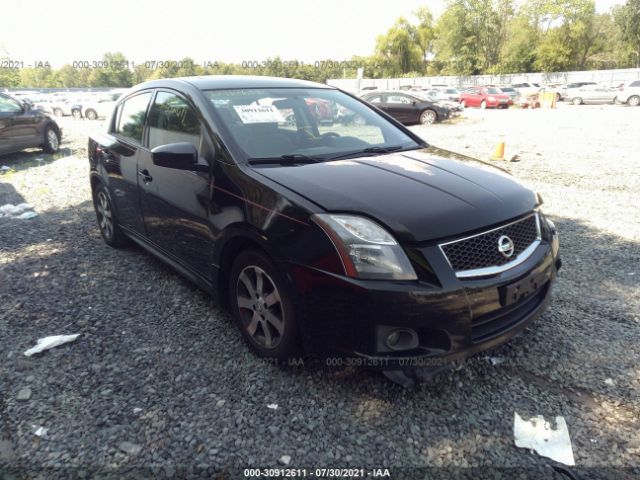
[(367, 250), (491, 99)]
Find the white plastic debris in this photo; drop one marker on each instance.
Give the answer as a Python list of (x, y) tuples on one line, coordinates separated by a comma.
[(610, 382), (27, 215), (50, 342), (285, 460), (495, 360), (39, 431), (4, 168), (272, 406), (537, 434)]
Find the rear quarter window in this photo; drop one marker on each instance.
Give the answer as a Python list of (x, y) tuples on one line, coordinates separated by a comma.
[(132, 115)]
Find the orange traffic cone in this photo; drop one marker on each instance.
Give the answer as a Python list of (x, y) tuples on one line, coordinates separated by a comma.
[(498, 153)]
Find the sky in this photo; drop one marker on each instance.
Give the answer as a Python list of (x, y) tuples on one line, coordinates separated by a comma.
[(65, 31)]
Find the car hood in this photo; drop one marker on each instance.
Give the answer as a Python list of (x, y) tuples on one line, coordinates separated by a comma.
[(420, 195)]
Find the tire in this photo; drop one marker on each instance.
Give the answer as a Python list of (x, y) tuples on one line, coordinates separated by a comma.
[(107, 219), (483, 105), (463, 103), (77, 114), (263, 309), (58, 112), (557, 97), (633, 101), (91, 114), (428, 117), (51, 140), (576, 101)]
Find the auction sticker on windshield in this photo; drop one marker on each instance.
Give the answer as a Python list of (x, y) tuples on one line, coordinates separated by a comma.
[(259, 114)]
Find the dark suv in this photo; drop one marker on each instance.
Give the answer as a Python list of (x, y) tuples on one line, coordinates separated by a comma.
[(21, 127), (357, 238)]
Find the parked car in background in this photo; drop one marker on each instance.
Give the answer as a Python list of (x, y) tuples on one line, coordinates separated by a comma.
[(526, 89), (592, 94), (511, 92), (440, 98), (630, 94), (95, 108), (361, 240), (24, 127), (564, 90), (485, 97), (408, 108)]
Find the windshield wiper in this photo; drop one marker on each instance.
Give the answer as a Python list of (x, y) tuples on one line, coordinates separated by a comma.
[(288, 159), (394, 148)]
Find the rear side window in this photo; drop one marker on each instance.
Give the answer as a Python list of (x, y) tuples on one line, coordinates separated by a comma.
[(635, 84), (132, 116), (172, 120)]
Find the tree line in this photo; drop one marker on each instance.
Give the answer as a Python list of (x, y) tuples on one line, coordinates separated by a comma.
[(471, 37)]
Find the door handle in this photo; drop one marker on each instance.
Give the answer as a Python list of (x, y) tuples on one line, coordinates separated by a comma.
[(144, 174)]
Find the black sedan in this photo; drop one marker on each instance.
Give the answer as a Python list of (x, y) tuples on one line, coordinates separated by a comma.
[(22, 127), (407, 108), (354, 238)]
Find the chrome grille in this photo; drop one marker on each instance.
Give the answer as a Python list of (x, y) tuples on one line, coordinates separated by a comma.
[(478, 255)]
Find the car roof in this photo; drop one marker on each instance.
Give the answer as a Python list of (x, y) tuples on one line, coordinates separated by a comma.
[(214, 82)]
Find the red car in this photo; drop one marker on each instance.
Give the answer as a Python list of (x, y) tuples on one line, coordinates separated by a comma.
[(485, 97)]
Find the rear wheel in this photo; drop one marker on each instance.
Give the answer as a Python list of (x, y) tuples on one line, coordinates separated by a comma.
[(633, 101), (91, 114), (107, 219), (51, 140), (262, 306), (58, 112), (428, 117), (77, 114), (577, 101), (483, 105)]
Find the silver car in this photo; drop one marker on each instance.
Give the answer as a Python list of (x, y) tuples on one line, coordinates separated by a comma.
[(592, 94)]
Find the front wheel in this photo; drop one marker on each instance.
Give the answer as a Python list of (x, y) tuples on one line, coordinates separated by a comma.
[(633, 101), (483, 105), (91, 114), (262, 306), (428, 117), (58, 112), (51, 140), (577, 101), (77, 114)]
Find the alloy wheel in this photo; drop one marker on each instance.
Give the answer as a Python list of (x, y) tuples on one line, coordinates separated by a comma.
[(260, 306), (52, 140), (634, 101), (428, 117), (105, 217)]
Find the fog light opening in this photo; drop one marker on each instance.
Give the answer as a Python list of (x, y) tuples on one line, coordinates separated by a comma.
[(402, 339)]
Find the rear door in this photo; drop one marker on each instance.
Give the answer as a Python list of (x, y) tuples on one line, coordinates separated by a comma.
[(120, 157), (175, 203)]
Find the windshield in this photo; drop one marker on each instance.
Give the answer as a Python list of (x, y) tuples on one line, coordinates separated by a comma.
[(506, 89), (312, 122), (493, 90)]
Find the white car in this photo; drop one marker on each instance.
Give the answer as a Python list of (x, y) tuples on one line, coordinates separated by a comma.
[(94, 109), (591, 94), (526, 89), (630, 94)]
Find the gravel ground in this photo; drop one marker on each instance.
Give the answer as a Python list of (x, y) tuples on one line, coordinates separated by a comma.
[(159, 384)]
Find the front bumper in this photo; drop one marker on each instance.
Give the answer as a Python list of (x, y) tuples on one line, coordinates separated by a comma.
[(453, 318)]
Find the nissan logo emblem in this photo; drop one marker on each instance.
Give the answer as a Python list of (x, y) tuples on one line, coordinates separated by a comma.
[(506, 246)]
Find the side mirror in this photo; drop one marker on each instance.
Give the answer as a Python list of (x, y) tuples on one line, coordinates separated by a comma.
[(26, 105), (181, 156)]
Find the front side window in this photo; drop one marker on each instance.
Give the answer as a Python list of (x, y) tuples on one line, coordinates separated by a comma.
[(132, 117), (9, 105), (314, 122), (398, 99), (172, 120), (635, 84)]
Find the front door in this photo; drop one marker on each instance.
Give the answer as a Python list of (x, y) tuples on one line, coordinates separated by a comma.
[(18, 126), (175, 203)]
